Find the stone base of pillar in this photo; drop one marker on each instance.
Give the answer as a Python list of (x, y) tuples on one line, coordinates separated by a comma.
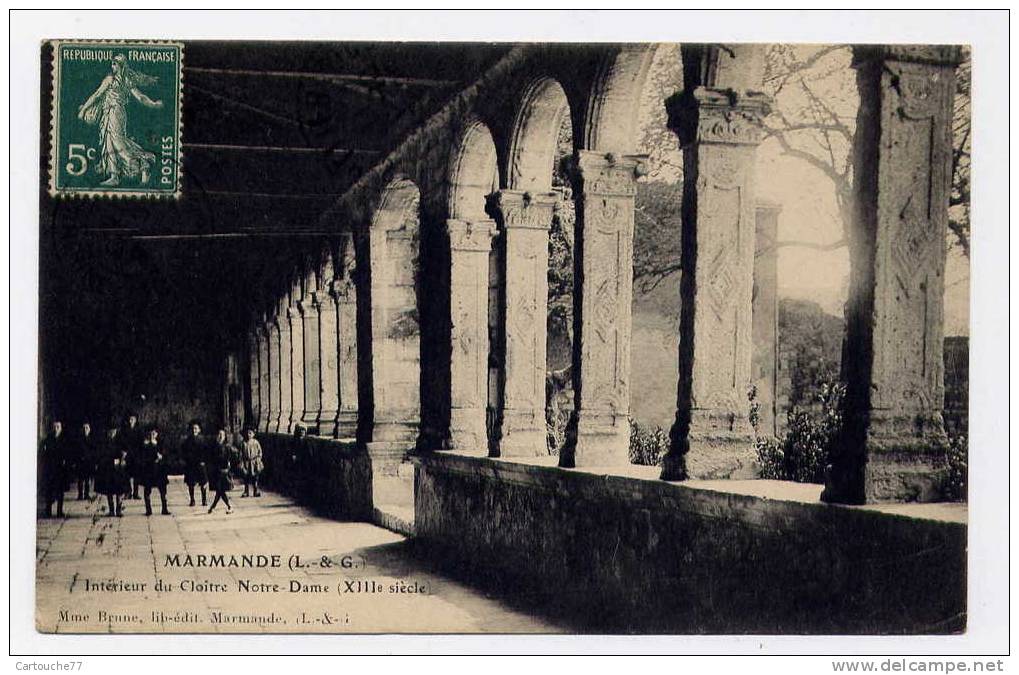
[(713, 455), (467, 433), (310, 423), (521, 437), (908, 471), (327, 423), (346, 425), (602, 440), (386, 456), (397, 433)]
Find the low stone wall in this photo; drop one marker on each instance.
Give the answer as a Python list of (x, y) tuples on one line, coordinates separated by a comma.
[(631, 553), (334, 478)]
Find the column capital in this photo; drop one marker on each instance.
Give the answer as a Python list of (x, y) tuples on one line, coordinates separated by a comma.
[(721, 116), (939, 55), (524, 210), (323, 299), (342, 289), (609, 174), (473, 235), (307, 305)]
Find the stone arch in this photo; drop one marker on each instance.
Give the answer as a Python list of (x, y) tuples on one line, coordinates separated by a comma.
[(474, 172), (614, 106), (395, 323), (533, 142)]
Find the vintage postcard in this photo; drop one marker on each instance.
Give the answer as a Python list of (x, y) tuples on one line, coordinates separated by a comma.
[(358, 337)]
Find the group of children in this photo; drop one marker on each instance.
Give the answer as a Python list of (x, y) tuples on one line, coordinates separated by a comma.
[(127, 459)]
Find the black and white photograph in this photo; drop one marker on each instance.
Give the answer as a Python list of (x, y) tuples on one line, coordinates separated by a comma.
[(519, 338)]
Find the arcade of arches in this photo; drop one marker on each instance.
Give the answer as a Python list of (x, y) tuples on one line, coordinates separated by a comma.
[(410, 340)]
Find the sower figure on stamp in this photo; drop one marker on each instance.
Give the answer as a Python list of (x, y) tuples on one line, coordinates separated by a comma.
[(111, 473), (131, 437), (196, 453), (120, 155), (54, 468), (153, 470), (251, 458), (219, 464), (85, 459)]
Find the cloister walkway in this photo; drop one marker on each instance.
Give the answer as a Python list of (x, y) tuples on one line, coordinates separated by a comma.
[(82, 557)]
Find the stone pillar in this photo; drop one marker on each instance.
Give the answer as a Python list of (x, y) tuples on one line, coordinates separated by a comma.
[(263, 376), (893, 442), (329, 397), (275, 375), (346, 318), (296, 325), (470, 244), (286, 368), (764, 370), (396, 340), (525, 219), (718, 121), (254, 381), (603, 294), (308, 306)]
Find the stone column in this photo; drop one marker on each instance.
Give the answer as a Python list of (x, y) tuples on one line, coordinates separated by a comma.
[(308, 306), (263, 376), (893, 442), (254, 405), (602, 296), (470, 244), (286, 368), (329, 397), (718, 121), (525, 219), (764, 313), (396, 340), (275, 375), (346, 318), (296, 325)]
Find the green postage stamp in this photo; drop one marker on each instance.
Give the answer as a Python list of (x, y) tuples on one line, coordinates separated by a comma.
[(116, 123)]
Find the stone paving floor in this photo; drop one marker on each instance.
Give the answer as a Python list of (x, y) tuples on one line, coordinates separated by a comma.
[(100, 574)]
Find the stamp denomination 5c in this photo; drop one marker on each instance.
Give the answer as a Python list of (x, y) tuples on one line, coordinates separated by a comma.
[(115, 128)]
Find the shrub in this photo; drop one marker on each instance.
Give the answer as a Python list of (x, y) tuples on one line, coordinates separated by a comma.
[(956, 483), (804, 452), (648, 443)]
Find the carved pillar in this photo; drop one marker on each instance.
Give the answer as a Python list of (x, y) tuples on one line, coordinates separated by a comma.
[(525, 219), (717, 119), (286, 368), (396, 339), (308, 306), (275, 375), (296, 325), (263, 376), (764, 313), (346, 318), (329, 397), (470, 244), (254, 408), (893, 442), (603, 295)]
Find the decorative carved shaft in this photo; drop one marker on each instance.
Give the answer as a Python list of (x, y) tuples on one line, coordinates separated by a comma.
[(286, 370), (297, 355), (253, 380), (893, 443), (603, 295), (396, 336), (312, 375), (275, 376), (525, 219), (346, 319), (328, 341), (719, 129), (470, 244), (263, 378)]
